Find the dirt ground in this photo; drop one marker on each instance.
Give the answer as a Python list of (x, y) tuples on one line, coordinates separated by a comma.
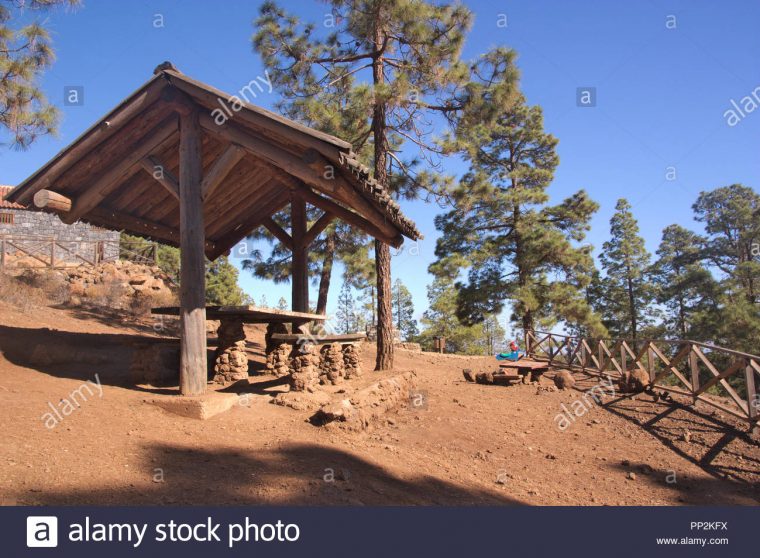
[(466, 444)]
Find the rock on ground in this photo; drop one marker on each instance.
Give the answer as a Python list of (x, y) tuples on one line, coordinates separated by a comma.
[(564, 380)]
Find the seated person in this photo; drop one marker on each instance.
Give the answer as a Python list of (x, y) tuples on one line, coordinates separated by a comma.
[(515, 354)]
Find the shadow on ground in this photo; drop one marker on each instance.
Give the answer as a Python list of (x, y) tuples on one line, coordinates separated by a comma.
[(719, 445), (80, 356), (302, 474)]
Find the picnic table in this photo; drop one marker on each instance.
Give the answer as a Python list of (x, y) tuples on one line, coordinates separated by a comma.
[(231, 358), (517, 369)]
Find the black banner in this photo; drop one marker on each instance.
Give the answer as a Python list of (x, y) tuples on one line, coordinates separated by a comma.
[(369, 532)]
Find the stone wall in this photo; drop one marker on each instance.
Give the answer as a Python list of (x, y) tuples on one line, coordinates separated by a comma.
[(80, 238)]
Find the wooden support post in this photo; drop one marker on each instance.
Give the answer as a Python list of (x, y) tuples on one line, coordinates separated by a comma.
[(694, 370), (299, 270), (193, 366), (2, 254)]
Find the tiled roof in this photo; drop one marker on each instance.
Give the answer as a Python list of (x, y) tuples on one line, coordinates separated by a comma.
[(4, 191)]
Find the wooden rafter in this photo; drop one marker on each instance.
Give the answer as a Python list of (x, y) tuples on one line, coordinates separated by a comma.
[(249, 223), (220, 169), (124, 167), (160, 172)]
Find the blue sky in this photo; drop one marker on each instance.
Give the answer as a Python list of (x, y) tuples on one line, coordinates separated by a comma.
[(661, 93)]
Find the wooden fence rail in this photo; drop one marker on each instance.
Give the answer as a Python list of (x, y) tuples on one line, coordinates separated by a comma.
[(54, 253), (692, 367)]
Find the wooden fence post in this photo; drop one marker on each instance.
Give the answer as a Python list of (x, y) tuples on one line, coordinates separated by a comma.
[(694, 369), (583, 353), (600, 350), (753, 403), (650, 361), (623, 358), (2, 254)]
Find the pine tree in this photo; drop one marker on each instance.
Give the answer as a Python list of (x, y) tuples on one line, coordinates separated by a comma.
[(513, 245), (263, 303), (282, 304), (345, 317), (403, 311), (25, 53), (732, 222), (685, 287), (731, 215), (360, 271), (629, 294), (440, 320), (410, 49), (222, 287)]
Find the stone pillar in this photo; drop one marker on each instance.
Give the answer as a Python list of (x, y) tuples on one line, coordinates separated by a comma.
[(231, 362), (278, 359), (352, 360), (331, 368), (304, 373)]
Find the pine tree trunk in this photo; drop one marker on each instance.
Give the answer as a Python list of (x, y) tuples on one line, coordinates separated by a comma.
[(384, 359), (632, 307), (522, 280), (326, 273), (382, 251)]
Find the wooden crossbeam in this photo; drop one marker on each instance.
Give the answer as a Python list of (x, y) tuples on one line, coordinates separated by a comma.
[(669, 366), (319, 225), (220, 169), (120, 171), (335, 186), (278, 232), (349, 216), (53, 201), (161, 174), (731, 391), (137, 225), (736, 366)]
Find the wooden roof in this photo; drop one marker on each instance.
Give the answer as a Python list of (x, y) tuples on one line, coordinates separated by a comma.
[(253, 160)]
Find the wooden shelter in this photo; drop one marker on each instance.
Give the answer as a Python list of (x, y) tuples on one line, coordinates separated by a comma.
[(185, 164)]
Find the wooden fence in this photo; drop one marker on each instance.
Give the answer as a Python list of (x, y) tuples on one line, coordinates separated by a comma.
[(54, 253), (690, 368)]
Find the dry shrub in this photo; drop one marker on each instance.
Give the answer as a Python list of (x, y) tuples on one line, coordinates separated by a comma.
[(142, 302), (20, 294), (52, 284), (111, 295)]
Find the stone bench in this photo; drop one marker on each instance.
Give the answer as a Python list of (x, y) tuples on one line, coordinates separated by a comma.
[(311, 359)]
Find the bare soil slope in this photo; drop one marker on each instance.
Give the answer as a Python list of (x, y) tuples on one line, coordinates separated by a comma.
[(465, 444)]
